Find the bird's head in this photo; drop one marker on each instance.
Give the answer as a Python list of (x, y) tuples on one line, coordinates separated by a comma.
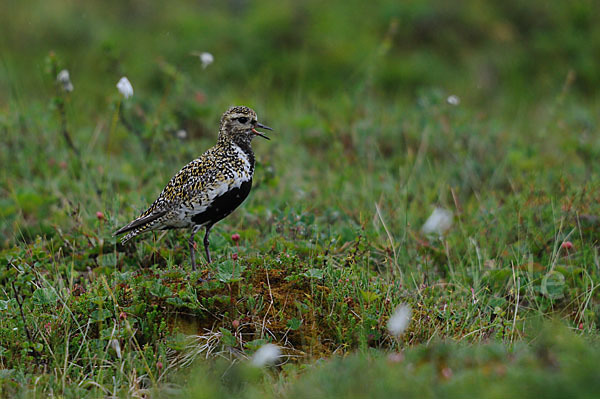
[(239, 124)]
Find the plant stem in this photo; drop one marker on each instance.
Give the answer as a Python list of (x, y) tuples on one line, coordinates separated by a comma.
[(63, 125), (20, 303), (113, 125)]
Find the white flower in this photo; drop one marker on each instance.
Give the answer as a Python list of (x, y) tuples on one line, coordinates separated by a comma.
[(453, 100), (65, 80), (181, 134), (125, 87), (399, 320), (439, 222), (266, 355), (206, 59)]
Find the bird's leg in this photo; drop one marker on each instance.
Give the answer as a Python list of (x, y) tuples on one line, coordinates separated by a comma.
[(192, 250), (206, 243)]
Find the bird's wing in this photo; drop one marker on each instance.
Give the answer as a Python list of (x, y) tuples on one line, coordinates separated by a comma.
[(191, 179), (182, 189)]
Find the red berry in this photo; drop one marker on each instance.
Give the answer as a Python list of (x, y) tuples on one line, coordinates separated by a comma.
[(581, 326), (447, 373), (99, 215), (159, 365), (234, 256), (568, 245), (200, 97), (235, 237), (235, 324)]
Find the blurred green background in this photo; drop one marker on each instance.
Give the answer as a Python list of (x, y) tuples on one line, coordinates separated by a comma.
[(366, 80), (475, 48), (365, 145)]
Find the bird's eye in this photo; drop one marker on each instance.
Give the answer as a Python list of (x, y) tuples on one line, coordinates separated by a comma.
[(243, 119)]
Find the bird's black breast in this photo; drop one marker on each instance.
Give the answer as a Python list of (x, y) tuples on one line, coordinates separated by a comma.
[(223, 205)]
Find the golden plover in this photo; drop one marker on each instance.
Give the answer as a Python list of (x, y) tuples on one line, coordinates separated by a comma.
[(210, 187)]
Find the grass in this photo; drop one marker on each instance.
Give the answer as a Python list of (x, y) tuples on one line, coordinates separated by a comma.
[(331, 242), (557, 365)]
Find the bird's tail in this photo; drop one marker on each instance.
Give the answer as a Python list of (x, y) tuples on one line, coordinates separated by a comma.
[(128, 237), (132, 233), (139, 225)]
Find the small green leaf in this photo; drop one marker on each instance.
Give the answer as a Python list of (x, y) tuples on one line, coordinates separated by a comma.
[(44, 296), (100, 315), (294, 323), (230, 271), (4, 305), (222, 298), (227, 337), (313, 273), (255, 344), (177, 302), (369, 296), (160, 291)]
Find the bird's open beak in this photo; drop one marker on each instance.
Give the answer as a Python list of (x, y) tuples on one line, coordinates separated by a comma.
[(260, 125)]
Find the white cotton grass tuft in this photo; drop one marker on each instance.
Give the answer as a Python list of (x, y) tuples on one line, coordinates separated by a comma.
[(125, 87), (181, 134), (266, 355), (114, 343), (64, 79), (205, 58), (400, 320), (453, 100), (438, 222)]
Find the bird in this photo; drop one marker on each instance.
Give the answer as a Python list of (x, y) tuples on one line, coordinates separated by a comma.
[(210, 187)]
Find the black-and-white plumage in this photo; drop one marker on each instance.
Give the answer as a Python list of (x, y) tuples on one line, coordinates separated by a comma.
[(210, 187)]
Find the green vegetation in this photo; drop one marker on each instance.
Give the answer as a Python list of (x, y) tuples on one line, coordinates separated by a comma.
[(365, 146)]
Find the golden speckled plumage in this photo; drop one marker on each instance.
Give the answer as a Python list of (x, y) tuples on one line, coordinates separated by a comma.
[(208, 188)]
